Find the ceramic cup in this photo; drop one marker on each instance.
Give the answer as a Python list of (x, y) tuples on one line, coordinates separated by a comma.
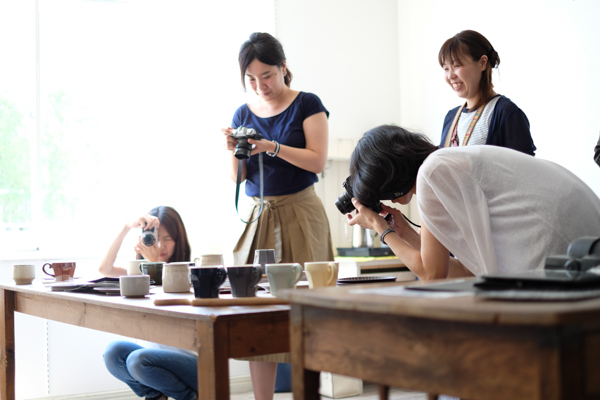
[(207, 280), (243, 280), (263, 257), (209, 259), (283, 276), (176, 277), (63, 271), (133, 267), (321, 273), (154, 269), (23, 274), (134, 285)]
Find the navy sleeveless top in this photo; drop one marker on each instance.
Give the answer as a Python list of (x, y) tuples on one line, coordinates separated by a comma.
[(280, 177)]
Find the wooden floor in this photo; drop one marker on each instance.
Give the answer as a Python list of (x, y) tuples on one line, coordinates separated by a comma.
[(369, 393)]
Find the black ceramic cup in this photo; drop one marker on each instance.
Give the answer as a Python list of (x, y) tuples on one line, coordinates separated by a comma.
[(154, 269), (243, 280), (206, 281)]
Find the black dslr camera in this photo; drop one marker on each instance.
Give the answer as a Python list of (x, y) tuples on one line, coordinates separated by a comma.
[(149, 236), (243, 148), (583, 254), (344, 202)]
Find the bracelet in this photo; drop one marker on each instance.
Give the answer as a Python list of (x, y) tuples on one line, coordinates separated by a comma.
[(385, 233), (273, 154)]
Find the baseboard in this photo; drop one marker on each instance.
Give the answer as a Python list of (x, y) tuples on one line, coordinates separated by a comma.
[(237, 384)]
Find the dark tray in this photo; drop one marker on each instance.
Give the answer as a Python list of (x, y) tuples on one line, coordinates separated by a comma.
[(364, 251), (365, 279)]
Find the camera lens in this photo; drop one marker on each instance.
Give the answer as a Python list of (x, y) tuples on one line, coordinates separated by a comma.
[(242, 149), (344, 203), (148, 238)]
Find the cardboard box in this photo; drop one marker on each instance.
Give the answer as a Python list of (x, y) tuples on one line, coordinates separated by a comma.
[(337, 386)]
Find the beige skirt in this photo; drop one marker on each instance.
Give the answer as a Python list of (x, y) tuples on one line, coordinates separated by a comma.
[(296, 227)]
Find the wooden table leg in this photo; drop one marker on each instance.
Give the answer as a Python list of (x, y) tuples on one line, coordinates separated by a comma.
[(305, 383), (384, 392), (7, 345), (213, 361)]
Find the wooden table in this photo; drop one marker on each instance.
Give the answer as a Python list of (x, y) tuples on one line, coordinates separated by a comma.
[(459, 346), (216, 333)]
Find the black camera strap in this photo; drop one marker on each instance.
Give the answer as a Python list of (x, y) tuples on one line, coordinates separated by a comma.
[(239, 181)]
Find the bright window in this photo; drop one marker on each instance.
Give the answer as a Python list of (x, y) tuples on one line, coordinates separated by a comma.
[(115, 109)]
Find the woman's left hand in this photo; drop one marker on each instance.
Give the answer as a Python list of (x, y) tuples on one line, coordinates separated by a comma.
[(367, 218), (261, 145), (150, 253)]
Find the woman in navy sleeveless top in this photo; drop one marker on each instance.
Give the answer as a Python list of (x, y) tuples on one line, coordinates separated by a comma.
[(293, 221)]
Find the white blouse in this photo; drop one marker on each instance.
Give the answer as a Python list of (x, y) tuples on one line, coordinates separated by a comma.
[(499, 210)]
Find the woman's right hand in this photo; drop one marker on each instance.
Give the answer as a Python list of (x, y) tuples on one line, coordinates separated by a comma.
[(230, 142)]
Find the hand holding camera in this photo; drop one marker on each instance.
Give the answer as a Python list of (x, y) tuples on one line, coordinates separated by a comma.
[(241, 140)]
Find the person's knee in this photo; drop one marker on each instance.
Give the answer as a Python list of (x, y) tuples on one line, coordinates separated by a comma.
[(117, 351), (138, 363)]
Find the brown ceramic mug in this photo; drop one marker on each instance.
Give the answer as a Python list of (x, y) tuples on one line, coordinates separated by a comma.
[(63, 271)]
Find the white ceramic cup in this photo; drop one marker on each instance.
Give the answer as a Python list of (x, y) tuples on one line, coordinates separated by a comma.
[(133, 267), (323, 273), (209, 259), (23, 274), (134, 285), (283, 276), (176, 277)]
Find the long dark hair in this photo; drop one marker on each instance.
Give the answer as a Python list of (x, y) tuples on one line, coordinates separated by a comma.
[(475, 45), (386, 158), (171, 221), (266, 49)]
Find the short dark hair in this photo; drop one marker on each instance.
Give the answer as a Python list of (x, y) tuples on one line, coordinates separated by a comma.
[(266, 49), (475, 45), (386, 158), (172, 222)]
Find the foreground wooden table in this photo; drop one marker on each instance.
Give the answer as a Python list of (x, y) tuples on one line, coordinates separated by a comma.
[(216, 333), (459, 346)]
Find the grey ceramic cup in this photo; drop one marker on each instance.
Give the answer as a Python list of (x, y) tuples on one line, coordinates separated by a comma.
[(262, 257), (243, 280)]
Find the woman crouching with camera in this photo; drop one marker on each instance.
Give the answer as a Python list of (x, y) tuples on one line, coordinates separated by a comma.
[(495, 209), (294, 150)]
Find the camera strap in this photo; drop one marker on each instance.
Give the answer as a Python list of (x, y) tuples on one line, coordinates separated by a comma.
[(239, 181)]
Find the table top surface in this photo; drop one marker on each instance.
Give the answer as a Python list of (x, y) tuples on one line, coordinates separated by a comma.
[(146, 304), (391, 298)]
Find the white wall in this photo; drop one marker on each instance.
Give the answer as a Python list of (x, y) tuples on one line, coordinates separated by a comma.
[(346, 52), (549, 52)]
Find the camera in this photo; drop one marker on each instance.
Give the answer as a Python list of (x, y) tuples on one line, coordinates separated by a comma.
[(344, 202), (149, 236), (243, 148), (583, 254)]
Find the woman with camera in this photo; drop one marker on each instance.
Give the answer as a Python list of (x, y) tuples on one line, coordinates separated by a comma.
[(294, 150), (486, 117), (494, 209), (171, 242), (155, 371)]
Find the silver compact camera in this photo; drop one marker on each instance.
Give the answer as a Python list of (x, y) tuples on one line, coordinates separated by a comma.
[(149, 236), (243, 148)]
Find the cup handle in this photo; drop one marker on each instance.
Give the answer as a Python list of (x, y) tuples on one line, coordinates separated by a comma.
[(44, 269), (140, 267), (221, 276), (332, 275), (297, 268), (196, 260), (256, 275)]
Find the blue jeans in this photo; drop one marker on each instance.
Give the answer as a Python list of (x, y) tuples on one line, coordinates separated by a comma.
[(149, 372)]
